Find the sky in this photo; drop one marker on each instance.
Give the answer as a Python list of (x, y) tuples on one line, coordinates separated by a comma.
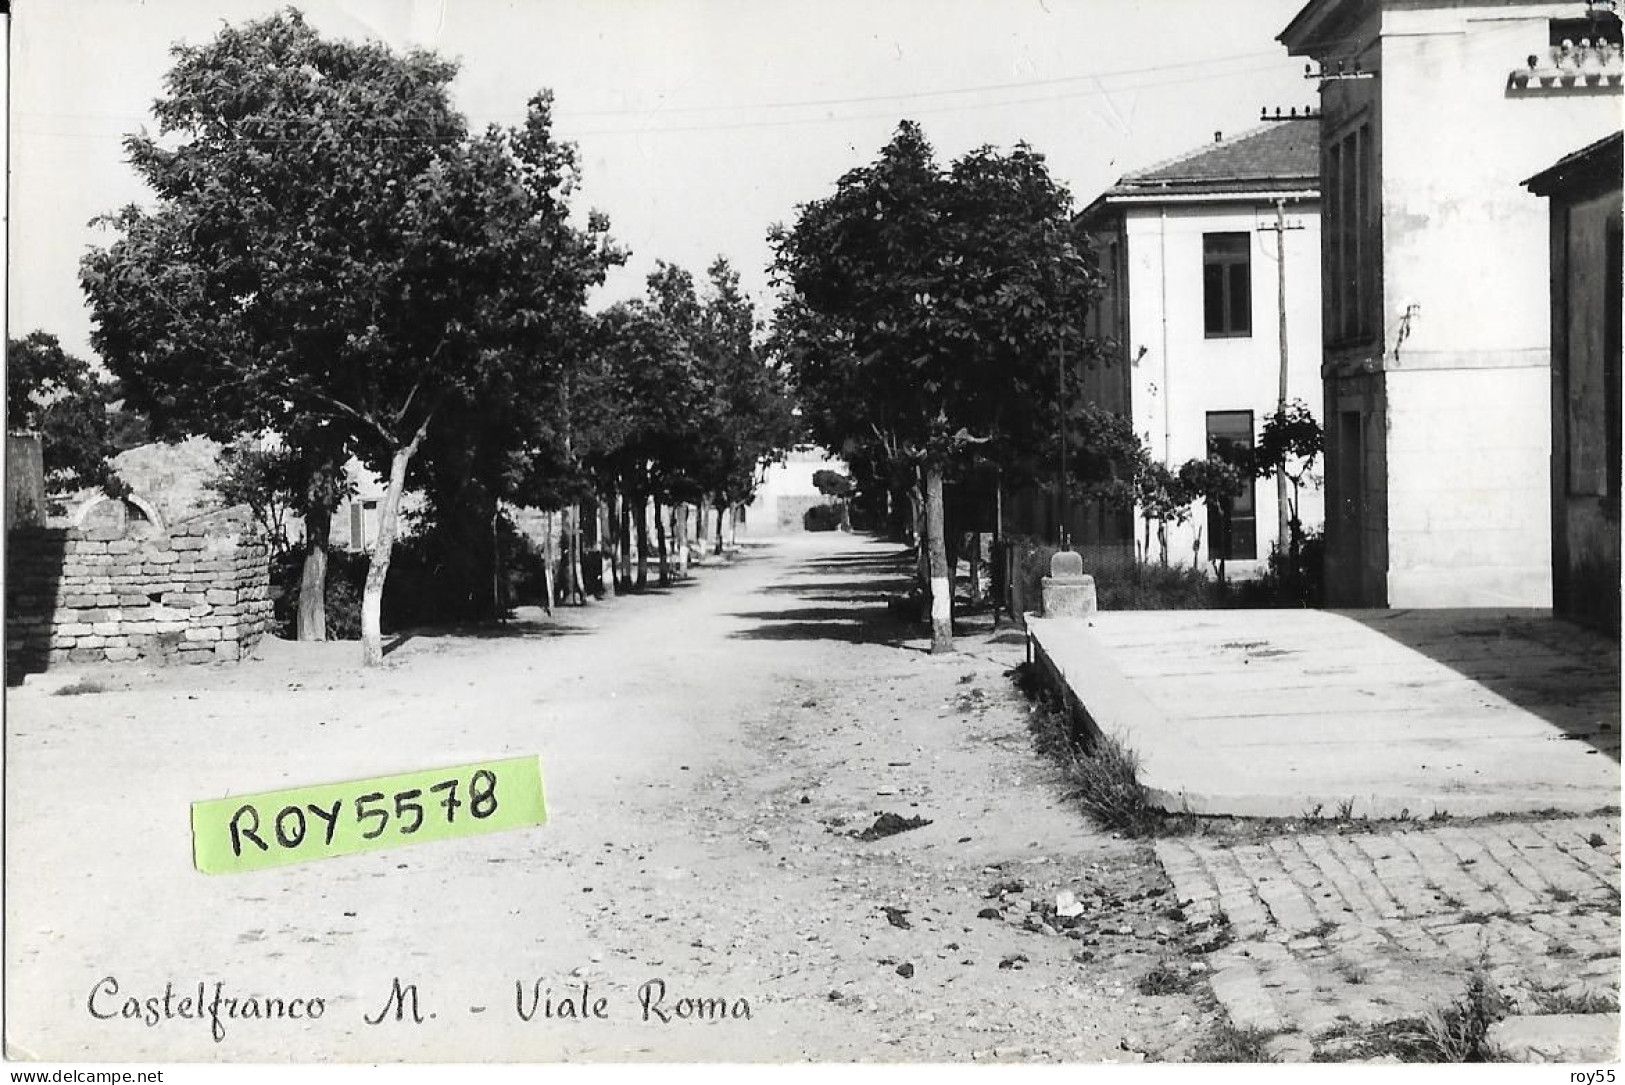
[(700, 123)]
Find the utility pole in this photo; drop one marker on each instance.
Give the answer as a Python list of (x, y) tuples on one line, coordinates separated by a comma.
[(1060, 489), (1280, 229)]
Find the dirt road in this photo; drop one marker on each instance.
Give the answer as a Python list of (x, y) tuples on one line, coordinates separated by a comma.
[(711, 754)]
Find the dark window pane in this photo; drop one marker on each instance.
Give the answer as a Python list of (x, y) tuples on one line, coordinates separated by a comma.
[(1213, 299), (1241, 300), (1226, 284)]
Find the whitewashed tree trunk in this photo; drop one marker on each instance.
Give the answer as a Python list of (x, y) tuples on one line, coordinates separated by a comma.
[(680, 538), (389, 518), (606, 547), (549, 556), (942, 585)]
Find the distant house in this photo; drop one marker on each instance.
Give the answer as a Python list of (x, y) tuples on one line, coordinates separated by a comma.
[(785, 493), (1437, 347), (1583, 190), (1193, 248)]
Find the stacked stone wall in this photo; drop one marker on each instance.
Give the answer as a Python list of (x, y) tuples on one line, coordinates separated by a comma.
[(197, 593)]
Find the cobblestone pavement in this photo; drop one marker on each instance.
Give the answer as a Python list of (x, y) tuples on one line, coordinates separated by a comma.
[(1322, 933)]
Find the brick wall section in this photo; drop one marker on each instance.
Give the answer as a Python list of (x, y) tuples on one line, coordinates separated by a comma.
[(196, 594)]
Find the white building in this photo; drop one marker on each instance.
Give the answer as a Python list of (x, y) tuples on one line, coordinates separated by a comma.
[(786, 492), (1194, 251), (1437, 352)]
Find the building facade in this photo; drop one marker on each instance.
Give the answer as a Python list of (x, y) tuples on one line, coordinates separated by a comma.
[(785, 493), (1583, 192), (1206, 254), (1436, 356)]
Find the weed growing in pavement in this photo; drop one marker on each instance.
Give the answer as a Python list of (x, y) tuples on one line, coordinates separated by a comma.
[(1167, 978), (1227, 1043), (1104, 774), (1571, 1001), (1107, 776), (83, 685), (1457, 1032)]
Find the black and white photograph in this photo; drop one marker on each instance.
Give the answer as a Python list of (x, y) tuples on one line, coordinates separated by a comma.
[(691, 532)]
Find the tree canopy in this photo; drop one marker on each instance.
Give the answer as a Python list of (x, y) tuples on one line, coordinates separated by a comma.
[(924, 308), (76, 412), (332, 256)]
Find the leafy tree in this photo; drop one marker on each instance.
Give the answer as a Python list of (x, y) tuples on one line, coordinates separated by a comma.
[(75, 412), (1215, 481), (747, 413), (645, 395), (262, 479), (833, 484), (1289, 443), (331, 252), (840, 487), (1163, 499), (923, 313)]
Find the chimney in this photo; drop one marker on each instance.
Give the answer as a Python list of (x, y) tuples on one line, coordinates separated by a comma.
[(1218, 137)]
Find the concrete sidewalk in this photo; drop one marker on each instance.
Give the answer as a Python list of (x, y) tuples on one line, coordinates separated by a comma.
[(1283, 713)]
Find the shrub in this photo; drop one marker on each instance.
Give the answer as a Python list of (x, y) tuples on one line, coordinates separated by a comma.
[(1153, 586), (1288, 582), (822, 518), (346, 579)]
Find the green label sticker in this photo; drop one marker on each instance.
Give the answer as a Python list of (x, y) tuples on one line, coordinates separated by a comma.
[(273, 828)]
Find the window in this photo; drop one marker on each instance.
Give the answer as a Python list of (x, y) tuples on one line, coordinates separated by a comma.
[(1350, 219), (1227, 285), (1232, 529)]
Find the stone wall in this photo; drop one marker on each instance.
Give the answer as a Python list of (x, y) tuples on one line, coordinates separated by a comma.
[(197, 593)]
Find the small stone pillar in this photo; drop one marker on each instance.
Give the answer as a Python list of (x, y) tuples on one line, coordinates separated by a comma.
[(1068, 591)]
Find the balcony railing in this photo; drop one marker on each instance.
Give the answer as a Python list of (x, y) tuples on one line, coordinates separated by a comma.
[(1571, 66)]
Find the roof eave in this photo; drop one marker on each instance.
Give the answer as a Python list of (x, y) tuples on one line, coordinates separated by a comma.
[(1318, 21)]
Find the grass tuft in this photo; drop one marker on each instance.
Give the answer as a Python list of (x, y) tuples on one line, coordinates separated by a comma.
[(1166, 978), (1457, 1032), (1227, 1043), (1105, 774), (1585, 1000), (82, 686)]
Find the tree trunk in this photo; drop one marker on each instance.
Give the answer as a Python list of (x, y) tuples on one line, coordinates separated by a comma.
[(389, 518), (942, 626), (641, 517), (626, 542), (733, 526), (497, 608), (922, 560), (312, 620), (606, 547), (548, 586), (976, 568), (680, 538), (702, 537), (578, 583), (718, 550), (1000, 561), (660, 544)]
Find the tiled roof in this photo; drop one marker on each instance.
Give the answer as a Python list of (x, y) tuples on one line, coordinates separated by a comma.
[(1597, 161), (1276, 154)]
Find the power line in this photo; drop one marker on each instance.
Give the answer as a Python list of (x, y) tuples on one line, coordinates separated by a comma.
[(563, 127), (912, 95), (803, 104), (958, 108)]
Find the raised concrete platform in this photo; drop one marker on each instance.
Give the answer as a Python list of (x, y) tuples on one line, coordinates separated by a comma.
[(1278, 713)]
